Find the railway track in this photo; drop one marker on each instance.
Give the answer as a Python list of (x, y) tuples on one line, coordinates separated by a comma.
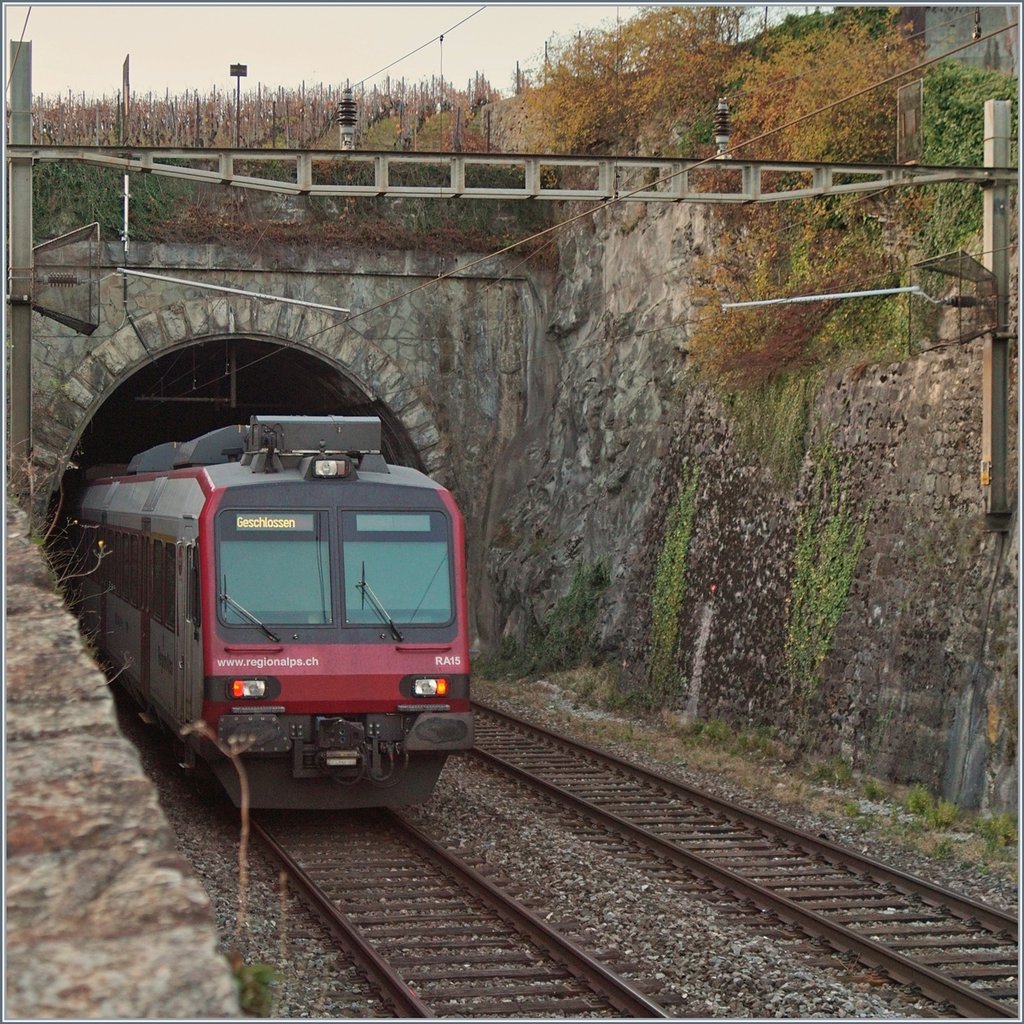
[(957, 952), (431, 934)]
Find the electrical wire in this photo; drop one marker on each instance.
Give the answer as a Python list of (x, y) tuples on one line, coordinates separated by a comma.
[(17, 52), (437, 38)]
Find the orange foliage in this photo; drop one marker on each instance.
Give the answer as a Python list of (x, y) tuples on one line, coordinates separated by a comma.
[(801, 76), (656, 76)]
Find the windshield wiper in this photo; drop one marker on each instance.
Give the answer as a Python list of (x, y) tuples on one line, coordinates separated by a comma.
[(380, 609), (227, 599)]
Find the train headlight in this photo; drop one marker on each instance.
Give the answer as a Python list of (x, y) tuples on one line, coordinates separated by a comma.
[(327, 468), (254, 689), (429, 687)]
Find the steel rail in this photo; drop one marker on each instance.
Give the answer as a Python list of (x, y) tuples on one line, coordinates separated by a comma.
[(388, 980), (896, 965), (992, 918), (623, 996)]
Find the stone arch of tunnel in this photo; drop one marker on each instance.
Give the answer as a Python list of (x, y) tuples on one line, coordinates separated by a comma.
[(189, 389)]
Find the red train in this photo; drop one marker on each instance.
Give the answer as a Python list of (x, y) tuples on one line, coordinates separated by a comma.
[(278, 595)]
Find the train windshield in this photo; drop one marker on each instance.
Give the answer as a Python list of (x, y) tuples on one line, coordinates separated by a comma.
[(397, 568), (274, 567)]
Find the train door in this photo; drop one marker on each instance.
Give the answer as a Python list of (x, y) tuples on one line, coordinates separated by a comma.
[(188, 649)]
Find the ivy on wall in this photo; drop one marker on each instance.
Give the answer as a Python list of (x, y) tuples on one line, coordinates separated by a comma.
[(830, 537), (664, 677)]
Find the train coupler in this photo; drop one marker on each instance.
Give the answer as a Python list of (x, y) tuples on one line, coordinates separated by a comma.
[(339, 742)]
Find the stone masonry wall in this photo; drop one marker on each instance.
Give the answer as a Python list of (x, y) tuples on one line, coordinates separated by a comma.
[(447, 360), (919, 684)]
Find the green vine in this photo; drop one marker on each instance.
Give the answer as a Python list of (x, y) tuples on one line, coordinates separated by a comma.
[(771, 421), (830, 538), (953, 127), (669, 590)]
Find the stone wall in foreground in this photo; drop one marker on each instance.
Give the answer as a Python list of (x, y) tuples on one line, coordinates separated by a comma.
[(105, 919)]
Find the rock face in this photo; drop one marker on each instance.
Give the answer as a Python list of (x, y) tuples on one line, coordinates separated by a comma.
[(914, 676), (105, 919)]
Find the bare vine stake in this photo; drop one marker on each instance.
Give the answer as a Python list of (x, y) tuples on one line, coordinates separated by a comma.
[(234, 753), (282, 895)]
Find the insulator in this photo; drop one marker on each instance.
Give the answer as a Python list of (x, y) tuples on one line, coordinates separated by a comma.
[(721, 125), (347, 119), (347, 109), (722, 119)]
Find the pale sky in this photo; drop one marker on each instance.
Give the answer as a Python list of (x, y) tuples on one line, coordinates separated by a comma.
[(175, 47)]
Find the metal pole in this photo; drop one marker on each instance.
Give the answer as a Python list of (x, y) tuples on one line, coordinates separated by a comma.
[(238, 72), (19, 294), (996, 355)]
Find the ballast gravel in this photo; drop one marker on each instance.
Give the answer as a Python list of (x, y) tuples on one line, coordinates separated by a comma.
[(681, 950)]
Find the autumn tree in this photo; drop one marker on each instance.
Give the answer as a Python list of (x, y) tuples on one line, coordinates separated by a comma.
[(800, 77), (810, 247), (648, 85)]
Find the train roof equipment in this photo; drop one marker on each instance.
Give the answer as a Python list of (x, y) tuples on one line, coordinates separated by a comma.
[(153, 460), (316, 446)]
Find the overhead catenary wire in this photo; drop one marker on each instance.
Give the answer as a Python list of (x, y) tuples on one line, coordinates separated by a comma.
[(17, 52), (387, 67), (438, 38)]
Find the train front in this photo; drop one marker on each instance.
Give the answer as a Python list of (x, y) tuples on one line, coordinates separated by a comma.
[(337, 666)]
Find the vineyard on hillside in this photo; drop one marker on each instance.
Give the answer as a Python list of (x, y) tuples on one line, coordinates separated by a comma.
[(396, 111)]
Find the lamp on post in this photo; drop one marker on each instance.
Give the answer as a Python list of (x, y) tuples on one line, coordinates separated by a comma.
[(238, 72)]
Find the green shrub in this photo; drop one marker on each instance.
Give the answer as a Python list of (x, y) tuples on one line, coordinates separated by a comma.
[(256, 984), (998, 831), (943, 814), (565, 639), (873, 790), (918, 801), (834, 772), (717, 731)]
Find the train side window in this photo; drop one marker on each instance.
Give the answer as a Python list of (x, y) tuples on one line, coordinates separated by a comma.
[(119, 565), (170, 582), (194, 603), (157, 577), (133, 569)]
